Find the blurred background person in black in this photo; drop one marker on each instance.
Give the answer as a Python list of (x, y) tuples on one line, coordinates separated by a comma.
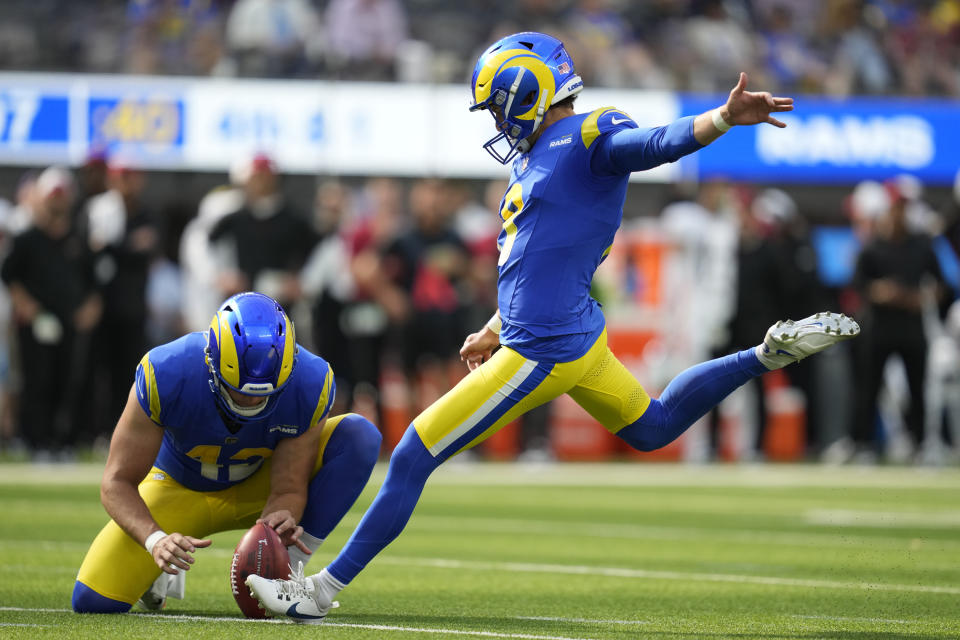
[(263, 245), (55, 303), (894, 270), (124, 236)]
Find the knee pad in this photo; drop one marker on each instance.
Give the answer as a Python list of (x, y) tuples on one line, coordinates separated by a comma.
[(86, 600)]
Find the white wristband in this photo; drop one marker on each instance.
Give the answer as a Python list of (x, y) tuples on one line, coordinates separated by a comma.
[(722, 125), (495, 323), (153, 539)]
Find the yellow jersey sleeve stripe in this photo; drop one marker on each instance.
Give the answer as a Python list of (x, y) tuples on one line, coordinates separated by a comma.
[(324, 398), (590, 129), (150, 377)]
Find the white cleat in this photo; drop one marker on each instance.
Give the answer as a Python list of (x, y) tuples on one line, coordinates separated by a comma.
[(166, 585), (295, 598), (789, 341)]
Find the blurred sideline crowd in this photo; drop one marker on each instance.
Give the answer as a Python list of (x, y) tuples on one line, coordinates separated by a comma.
[(835, 47), (385, 279)]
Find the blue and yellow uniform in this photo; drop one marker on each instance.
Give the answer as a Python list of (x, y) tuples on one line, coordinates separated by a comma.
[(199, 450), (561, 211), (213, 475)]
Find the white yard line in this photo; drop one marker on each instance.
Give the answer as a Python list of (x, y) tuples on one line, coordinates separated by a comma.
[(581, 620), (24, 624), (845, 619), (617, 572), (350, 625), (883, 519)]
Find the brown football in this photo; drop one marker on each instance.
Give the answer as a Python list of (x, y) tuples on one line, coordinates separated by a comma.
[(261, 552)]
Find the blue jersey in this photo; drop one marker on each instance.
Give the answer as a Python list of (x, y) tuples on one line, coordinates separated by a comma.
[(559, 221), (199, 451), (562, 209)]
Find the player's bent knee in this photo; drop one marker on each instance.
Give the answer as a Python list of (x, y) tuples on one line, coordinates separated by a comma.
[(86, 600), (650, 431), (362, 437)]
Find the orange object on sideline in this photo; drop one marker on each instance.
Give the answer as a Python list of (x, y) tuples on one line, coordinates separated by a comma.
[(785, 436)]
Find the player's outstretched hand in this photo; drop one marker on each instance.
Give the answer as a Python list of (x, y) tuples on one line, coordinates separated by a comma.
[(754, 107), (172, 552), (478, 347), (286, 526)]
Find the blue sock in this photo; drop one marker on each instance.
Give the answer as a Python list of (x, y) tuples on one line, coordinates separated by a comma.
[(348, 460), (86, 600), (689, 397), (410, 466)]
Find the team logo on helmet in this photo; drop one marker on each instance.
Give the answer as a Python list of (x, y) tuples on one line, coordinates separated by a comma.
[(517, 79)]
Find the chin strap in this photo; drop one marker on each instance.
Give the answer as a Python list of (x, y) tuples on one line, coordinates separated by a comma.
[(246, 412)]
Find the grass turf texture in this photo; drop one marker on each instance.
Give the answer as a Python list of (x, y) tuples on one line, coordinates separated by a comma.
[(561, 552)]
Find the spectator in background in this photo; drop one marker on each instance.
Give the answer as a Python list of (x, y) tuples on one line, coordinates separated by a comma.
[(611, 56), (859, 64), (124, 235), (173, 36), (893, 270), (21, 215), (363, 37), (924, 46), (7, 432), (791, 61), (702, 227), (328, 286), (49, 276), (201, 295), (377, 302), (273, 38), (263, 245), (722, 46), (800, 290), (91, 180), (429, 264), (758, 298)]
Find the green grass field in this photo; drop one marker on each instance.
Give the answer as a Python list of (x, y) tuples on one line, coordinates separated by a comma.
[(558, 552)]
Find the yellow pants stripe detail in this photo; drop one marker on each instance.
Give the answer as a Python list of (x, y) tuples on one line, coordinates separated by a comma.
[(597, 381)]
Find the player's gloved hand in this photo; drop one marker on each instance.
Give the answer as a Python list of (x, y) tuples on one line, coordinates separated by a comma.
[(172, 552), (479, 347), (286, 527), (749, 107)]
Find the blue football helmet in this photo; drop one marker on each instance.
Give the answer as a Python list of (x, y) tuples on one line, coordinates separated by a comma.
[(517, 79), (251, 349)]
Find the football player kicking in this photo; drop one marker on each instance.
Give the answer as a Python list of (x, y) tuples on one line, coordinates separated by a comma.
[(221, 429), (560, 213)]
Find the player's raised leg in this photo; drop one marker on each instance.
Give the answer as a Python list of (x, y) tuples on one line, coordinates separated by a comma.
[(695, 391)]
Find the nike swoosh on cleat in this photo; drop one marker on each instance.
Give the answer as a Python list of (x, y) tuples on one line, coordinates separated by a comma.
[(781, 352), (293, 613)]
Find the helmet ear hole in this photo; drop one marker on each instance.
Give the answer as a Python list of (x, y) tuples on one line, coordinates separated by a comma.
[(528, 99)]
